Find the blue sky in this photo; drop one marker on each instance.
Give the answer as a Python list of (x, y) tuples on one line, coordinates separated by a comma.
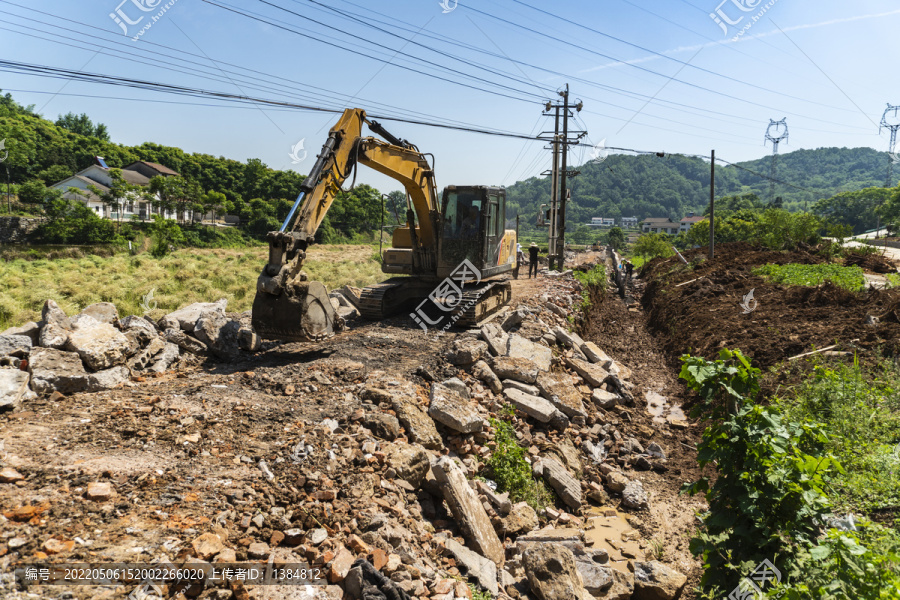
[(657, 75)]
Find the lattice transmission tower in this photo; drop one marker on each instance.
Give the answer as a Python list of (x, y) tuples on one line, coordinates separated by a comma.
[(776, 133), (891, 120)]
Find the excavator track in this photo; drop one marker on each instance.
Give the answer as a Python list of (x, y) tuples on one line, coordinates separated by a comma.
[(479, 302), (483, 301)]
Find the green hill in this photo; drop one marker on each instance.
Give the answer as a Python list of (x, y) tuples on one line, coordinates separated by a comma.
[(671, 186)]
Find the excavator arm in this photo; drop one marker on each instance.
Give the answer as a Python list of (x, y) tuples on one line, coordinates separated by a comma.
[(290, 307)]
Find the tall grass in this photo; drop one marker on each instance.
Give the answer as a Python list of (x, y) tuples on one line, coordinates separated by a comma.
[(185, 276)]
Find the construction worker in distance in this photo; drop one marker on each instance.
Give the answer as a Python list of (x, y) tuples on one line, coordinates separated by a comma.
[(533, 258), (629, 267), (520, 255)]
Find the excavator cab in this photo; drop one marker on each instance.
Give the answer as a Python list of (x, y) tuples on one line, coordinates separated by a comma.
[(472, 228)]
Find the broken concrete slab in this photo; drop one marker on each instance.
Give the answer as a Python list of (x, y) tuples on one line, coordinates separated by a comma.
[(144, 358), (655, 581), (594, 354), (483, 372), (562, 394), (552, 573), (537, 408), (519, 369), (107, 379), (477, 567), (568, 338), (451, 409), (455, 383), (495, 338), (622, 587), (15, 345), (55, 370), (467, 510), (500, 501), (594, 375), (567, 487), (104, 312), (418, 424), (514, 318), (187, 316), (519, 347), (466, 350), (13, 387), (186, 342), (31, 330), (100, 345), (522, 387), (603, 399)]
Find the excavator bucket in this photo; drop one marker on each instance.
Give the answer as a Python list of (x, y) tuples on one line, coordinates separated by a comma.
[(300, 313)]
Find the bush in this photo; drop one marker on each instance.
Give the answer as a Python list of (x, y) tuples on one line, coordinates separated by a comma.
[(166, 235), (512, 472)]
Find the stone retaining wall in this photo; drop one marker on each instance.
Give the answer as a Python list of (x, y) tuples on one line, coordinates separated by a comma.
[(16, 230)]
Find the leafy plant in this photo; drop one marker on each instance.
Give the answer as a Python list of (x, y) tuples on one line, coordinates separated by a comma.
[(731, 378), (851, 278), (512, 472)]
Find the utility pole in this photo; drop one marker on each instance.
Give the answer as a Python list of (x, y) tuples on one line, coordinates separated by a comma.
[(779, 134), (558, 184), (712, 205), (893, 125)]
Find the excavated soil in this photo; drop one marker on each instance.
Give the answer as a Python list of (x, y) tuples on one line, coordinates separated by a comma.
[(697, 309)]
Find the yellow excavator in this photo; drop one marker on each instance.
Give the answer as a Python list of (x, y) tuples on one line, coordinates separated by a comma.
[(449, 257)]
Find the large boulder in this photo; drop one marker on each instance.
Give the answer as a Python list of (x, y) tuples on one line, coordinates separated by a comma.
[(104, 312), (100, 345), (187, 316), (219, 333), (453, 410), (655, 581), (55, 370), (15, 345), (552, 573), (13, 387), (519, 347)]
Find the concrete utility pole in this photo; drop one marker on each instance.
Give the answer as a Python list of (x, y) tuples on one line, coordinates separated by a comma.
[(560, 173), (712, 205)]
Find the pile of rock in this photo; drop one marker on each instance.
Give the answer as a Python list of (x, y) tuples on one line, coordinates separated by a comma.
[(96, 350)]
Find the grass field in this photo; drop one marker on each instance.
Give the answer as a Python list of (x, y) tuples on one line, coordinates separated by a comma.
[(183, 277)]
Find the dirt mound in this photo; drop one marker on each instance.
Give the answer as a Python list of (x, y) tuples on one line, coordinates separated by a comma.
[(702, 307), (871, 262)]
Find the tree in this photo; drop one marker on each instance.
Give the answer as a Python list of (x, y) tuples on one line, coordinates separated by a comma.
[(82, 125), (32, 192), (651, 245), (583, 234), (166, 236), (396, 206), (213, 202), (616, 238)]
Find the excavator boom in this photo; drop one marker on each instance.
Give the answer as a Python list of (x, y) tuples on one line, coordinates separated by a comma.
[(287, 305)]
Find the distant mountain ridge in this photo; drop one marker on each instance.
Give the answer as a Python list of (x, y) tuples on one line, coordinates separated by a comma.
[(672, 186)]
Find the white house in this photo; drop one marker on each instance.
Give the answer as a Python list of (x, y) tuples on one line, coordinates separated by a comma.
[(689, 221), (97, 175), (660, 225), (602, 222), (629, 222)]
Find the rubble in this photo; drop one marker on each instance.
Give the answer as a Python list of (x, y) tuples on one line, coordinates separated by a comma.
[(537, 408), (552, 573), (450, 408), (467, 510), (13, 387), (519, 369), (519, 347), (655, 581), (567, 487), (188, 316), (477, 567), (15, 345)]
